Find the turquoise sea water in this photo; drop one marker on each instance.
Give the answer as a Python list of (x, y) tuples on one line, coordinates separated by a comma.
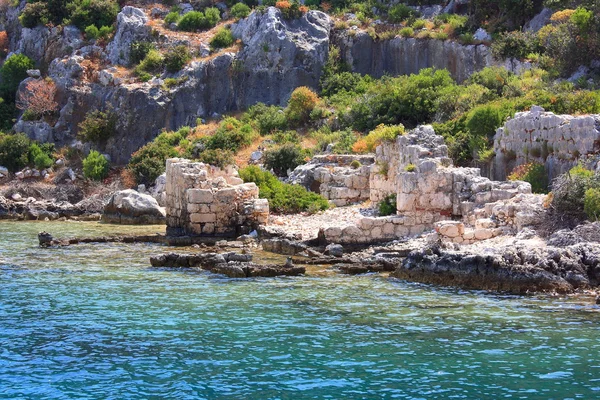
[(96, 322)]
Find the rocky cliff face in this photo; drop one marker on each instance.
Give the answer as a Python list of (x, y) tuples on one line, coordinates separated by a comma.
[(404, 56), (278, 56)]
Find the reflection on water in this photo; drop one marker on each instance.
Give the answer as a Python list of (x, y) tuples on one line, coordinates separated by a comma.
[(96, 322)]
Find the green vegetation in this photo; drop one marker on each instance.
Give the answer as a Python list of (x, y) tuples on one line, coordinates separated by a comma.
[(222, 39), (283, 198), (95, 166), (18, 152), (387, 206), (197, 20), (533, 173), (176, 58), (139, 50), (82, 13), (12, 72), (571, 192), (240, 10), (98, 126), (282, 158)]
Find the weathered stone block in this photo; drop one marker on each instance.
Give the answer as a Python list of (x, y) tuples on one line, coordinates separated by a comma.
[(200, 196)]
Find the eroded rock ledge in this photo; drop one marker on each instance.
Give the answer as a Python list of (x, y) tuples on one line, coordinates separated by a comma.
[(516, 268)]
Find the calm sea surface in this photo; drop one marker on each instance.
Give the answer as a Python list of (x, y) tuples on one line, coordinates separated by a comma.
[(96, 322)]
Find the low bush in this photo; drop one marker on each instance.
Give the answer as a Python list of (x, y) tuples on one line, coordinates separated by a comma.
[(172, 18), (401, 12), (591, 204), (39, 158), (232, 134), (222, 39), (94, 12), (12, 72), (387, 206), (139, 50), (92, 33), (568, 191), (240, 10), (95, 166), (34, 14), (533, 173), (378, 135), (302, 101), (515, 44), (196, 20), (14, 151), (283, 198), (218, 158), (283, 158), (98, 126), (176, 58), (268, 118), (153, 62), (148, 163), (407, 32)]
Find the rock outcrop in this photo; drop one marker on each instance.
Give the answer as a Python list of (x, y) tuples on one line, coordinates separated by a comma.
[(131, 26), (404, 56), (133, 208), (516, 268)]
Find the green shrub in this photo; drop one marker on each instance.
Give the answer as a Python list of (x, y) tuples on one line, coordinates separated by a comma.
[(13, 71), (7, 112), (591, 204), (283, 137), (98, 126), (172, 18), (218, 158), (410, 168), (106, 31), (14, 151), (176, 58), (493, 78), (515, 44), (268, 118), (419, 24), (39, 158), (387, 206), (213, 16), (232, 134), (377, 136), (148, 163), (533, 173), (283, 158), (583, 19), (139, 50), (302, 101), (355, 164), (400, 12), (34, 14), (568, 191), (152, 63), (95, 166), (283, 198), (94, 12), (240, 10), (407, 32), (483, 121), (344, 82), (222, 39), (92, 33), (29, 115)]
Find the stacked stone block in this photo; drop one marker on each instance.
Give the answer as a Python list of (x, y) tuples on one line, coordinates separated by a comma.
[(334, 177), (206, 200), (557, 141)]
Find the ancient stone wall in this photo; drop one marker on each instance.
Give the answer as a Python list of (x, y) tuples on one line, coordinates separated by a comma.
[(557, 141), (206, 200), (341, 179), (428, 189)]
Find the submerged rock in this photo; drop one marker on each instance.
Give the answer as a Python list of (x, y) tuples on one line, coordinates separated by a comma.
[(133, 208)]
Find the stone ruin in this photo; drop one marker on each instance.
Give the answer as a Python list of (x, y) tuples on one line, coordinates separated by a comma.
[(429, 190), (557, 141), (205, 200)]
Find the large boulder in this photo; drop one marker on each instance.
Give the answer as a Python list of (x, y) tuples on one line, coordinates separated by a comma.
[(133, 208), (131, 27)]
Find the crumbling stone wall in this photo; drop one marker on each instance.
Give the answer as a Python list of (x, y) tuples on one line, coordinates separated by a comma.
[(557, 141), (206, 200), (429, 189), (336, 178)]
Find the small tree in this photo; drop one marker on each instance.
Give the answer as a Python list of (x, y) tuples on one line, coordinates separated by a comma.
[(39, 97), (95, 166), (13, 71), (98, 126)]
